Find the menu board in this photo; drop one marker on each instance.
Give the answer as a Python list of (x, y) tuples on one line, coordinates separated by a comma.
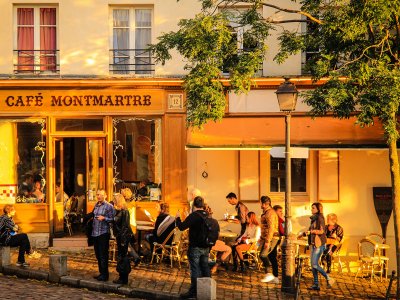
[(383, 205)]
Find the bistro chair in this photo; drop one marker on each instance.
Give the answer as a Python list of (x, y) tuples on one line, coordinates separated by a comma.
[(173, 250), (376, 237), (252, 256), (369, 259), (160, 250)]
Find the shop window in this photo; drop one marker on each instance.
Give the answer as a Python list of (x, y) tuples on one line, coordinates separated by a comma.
[(137, 157), (23, 159), (36, 40), (278, 175), (131, 35)]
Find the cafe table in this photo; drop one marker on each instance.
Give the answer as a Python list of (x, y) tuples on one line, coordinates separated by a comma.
[(143, 226)]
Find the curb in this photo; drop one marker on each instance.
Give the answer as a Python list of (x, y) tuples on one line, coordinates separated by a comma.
[(104, 287)]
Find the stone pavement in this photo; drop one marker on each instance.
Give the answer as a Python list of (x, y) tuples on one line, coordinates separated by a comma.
[(15, 288), (163, 280)]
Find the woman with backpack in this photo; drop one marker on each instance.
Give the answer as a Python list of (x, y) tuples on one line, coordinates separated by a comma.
[(245, 241)]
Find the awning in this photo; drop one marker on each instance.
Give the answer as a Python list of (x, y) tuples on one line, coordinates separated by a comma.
[(246, 132)]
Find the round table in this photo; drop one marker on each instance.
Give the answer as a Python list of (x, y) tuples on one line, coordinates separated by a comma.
[(227, 234)]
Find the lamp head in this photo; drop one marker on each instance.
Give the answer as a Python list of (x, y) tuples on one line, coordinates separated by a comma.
[(287, 96)]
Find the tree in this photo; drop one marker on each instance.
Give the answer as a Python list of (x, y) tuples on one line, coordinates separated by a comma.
[(357, 45)]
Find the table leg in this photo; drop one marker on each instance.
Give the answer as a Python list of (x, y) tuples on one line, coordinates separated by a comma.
[(139, 242)]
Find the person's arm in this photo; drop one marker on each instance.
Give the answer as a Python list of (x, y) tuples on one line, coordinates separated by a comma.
[(109, 214), (256, 236), (339, 233), (185, 224), (272, 221), (243, 213)]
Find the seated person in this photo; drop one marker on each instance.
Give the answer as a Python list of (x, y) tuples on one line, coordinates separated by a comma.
[(26, 187), (334, 236), (243, 243), (37, 191), (62, 198), (165, 223), (9, 236), (223, 250), (142, 190)]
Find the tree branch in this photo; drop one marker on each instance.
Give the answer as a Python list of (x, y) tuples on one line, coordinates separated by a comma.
[(294, 11)]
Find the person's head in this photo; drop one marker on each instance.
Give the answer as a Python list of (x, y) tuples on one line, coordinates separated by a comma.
[(193, 194), (58, 187), (38, 184), (208, 209), (9, 210), (265, 202), (142, 184), (252, 219), (119, 201), (279, 211), (127, 193), (164, 208), (317, 208), (232, 199), (101, 195), (198, 203), (28, 178), (331, 219)]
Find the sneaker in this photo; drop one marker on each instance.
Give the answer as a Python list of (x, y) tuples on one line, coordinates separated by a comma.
[(22, 264), (34, 255), (314, 287), (269, 277), (331, 281)]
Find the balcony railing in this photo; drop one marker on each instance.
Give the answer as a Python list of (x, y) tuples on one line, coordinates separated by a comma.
[(131, 61), (36, 61)]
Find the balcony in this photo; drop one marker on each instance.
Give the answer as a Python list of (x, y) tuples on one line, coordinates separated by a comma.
[(36, 62), (131, 61)]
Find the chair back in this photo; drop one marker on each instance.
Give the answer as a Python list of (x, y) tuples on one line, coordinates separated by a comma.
[(367, 248), (169, 236), (376, 237), (177, 236)]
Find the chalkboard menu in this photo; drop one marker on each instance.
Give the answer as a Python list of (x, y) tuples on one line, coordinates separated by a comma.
[(383, 205)]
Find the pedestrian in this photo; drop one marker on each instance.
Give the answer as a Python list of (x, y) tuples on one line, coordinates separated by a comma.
[(241, 210), (317, 242), (334, 236), (197, 252), (124, 236), (269, 240), (9, 236), (103, 215)]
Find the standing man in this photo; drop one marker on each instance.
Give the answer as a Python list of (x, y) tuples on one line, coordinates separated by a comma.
[(241, 211), (197, 252), (103, 214), (269, 240)]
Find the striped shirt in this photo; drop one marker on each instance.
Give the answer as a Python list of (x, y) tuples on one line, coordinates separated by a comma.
[(7, 225), (102, 209)]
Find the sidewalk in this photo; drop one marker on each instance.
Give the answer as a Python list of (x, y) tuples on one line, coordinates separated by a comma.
[(159, 280)]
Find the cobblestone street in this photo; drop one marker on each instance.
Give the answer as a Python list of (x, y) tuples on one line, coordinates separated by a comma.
[(230, 285)]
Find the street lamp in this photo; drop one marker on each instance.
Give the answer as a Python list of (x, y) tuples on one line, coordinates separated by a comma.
[(287, 98)]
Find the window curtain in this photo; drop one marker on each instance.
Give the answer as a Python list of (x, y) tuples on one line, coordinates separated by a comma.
[(48, 53), (25, 39), (121, 55), (142, 40)]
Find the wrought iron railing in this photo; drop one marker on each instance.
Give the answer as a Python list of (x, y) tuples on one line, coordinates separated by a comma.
[(36, 61), (131, 61)]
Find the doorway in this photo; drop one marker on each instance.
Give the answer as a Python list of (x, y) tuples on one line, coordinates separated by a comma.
[(79, 173)]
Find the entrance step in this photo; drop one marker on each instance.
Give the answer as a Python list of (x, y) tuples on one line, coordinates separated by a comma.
[(72, 244)]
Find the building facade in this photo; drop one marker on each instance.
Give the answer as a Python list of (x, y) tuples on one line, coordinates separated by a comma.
[(83, 105)]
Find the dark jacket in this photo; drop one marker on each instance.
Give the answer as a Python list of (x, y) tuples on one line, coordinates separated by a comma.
[(7, 225), (194, 222), (336, 232), (160, 239), (122, 227), (317, 223)]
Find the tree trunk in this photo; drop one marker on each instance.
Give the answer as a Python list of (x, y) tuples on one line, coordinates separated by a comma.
[(395, 176)]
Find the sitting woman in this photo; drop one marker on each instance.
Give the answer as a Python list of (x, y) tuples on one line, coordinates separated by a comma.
[(10, 237), (244, 242), (37, 192), (334, 236)]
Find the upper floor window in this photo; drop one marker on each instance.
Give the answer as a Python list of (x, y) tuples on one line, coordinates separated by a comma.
[(131, 35), (36, 40), (311, 29)]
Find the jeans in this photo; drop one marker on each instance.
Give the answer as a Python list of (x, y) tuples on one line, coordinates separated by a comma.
[(268, 256), (316, 253), (198, 261), (21, 240), (101, 246)]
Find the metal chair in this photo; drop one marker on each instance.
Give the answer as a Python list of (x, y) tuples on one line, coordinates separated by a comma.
[(369, 259), (376, 237), (252, 256), (173, 250), (336, 258), (160, 250)]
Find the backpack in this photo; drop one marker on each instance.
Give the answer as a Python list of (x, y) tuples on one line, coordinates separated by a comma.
[(209, 232)]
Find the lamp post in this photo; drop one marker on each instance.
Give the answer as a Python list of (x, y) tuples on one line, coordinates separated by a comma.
[(287, 98)]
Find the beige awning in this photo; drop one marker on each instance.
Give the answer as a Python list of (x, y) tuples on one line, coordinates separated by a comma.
[(268, 131)]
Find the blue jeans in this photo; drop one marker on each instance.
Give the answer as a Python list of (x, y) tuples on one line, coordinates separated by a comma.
[(198, 261), (316, 253)]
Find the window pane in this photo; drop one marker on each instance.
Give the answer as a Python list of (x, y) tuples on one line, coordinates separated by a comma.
[(121, 38), (139, 161), (79, 125), (143, 18), (48, 16), (121, 18), (278, 175), (142, 38), (25, 16)]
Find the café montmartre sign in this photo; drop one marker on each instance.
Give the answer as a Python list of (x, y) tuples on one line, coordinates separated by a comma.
[(82, 100)]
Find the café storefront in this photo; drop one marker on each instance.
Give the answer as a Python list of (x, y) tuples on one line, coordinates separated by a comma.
[(70, 138)]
